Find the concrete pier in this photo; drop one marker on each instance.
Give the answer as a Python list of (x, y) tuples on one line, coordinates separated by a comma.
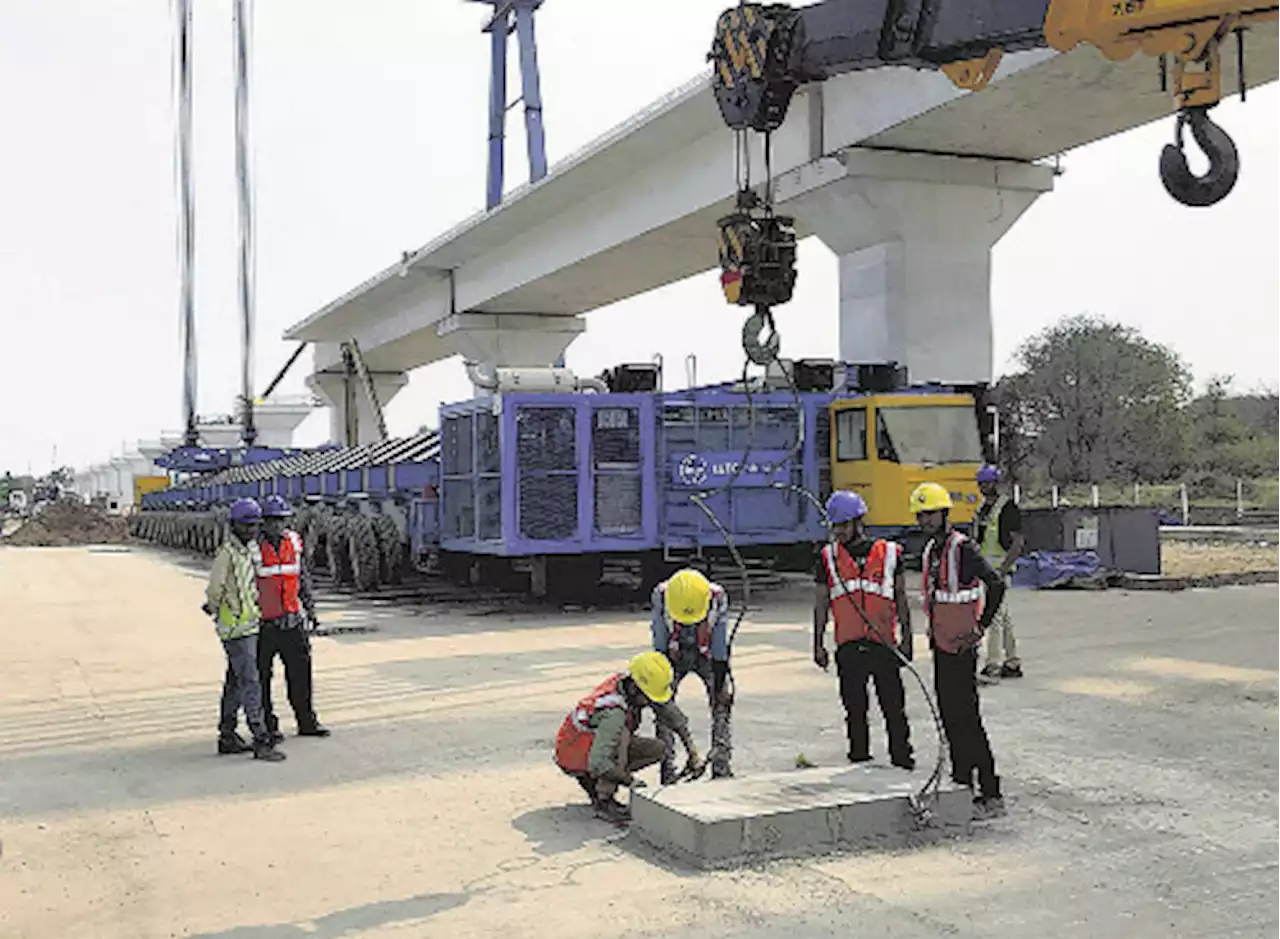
[(793, 814)]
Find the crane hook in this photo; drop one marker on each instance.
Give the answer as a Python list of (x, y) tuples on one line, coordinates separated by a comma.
[(1224, 161)]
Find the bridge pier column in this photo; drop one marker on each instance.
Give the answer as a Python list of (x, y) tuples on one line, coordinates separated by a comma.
[(914, 234), (345, 394)]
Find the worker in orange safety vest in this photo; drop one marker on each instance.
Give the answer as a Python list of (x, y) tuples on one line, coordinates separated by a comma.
[(859, 582), (955, 573), (288, 616), (597, 744)]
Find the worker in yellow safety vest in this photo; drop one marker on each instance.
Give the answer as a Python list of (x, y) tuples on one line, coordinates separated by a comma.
[(954, 576), (231, 599), (998, 530)]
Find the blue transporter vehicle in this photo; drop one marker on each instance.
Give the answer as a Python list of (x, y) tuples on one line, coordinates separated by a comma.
[(552, 486)]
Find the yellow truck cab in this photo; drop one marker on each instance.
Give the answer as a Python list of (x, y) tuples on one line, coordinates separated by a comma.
[(884, 445)]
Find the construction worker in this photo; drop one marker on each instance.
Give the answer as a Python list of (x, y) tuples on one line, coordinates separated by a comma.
[(954, 574), (691, 628), (997, 529), (231, 598), (288, 610), (597, 746), (859, 581)]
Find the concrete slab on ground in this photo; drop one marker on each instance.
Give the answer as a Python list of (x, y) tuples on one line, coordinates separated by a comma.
[(797, 814)]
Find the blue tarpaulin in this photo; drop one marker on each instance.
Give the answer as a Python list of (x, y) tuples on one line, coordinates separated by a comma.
[(1042, 569)]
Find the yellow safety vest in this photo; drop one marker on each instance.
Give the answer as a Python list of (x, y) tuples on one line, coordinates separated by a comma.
[(233, 624), (991, 548)]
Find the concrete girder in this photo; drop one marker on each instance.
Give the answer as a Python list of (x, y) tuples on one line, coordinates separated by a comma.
[(333, 387)]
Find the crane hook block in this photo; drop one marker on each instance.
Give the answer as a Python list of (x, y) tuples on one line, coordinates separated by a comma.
[(1224, 161), (757, 259), (757, 53)]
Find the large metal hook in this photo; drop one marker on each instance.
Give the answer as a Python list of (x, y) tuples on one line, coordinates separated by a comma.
[(1224, 161), (761, 348)]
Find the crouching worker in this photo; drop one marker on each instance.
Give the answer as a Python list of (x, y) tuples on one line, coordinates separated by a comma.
[(231, 599), (691, 627), (597, 744)]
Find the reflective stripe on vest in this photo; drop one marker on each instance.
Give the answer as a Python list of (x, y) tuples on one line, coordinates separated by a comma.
[(953, 607), (991, 548), (870, 586)]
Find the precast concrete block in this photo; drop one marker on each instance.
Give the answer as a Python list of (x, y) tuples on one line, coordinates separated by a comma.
[(732, 822)]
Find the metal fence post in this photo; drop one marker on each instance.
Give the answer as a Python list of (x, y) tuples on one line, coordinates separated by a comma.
[(1239, 498), (1054, 495), (1093, 494), (1186, 508)]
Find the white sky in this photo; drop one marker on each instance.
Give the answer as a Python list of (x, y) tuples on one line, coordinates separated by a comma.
[(369, 135)]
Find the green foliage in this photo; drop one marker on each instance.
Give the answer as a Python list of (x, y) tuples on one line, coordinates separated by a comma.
[(1094, 401)]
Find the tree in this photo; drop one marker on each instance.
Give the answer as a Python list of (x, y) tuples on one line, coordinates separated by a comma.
[(1095, 400), (1234, 435)]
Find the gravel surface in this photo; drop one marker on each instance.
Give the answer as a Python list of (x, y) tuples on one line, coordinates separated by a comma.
[(1139, 755)]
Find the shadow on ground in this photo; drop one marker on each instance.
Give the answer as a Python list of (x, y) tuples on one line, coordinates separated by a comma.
[(349, 922)]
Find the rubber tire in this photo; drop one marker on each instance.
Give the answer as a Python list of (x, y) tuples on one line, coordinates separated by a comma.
[(362, 546)]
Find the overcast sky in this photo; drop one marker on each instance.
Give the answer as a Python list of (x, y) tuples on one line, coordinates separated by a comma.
[(369, 134)]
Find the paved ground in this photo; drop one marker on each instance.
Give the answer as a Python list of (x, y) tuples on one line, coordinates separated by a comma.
[(1140, 754)]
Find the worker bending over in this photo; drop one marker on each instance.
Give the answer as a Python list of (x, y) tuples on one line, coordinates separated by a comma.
[(997, 529), (597, 743), (691, 628), (954, 574), (859, 581), (231, 598), (288, 614)]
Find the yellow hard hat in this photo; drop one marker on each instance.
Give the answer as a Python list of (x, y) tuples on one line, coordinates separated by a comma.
[(929, 497), (688, 596), (652, 672)]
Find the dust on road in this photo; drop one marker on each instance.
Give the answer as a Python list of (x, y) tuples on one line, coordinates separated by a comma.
[(1139, 754)]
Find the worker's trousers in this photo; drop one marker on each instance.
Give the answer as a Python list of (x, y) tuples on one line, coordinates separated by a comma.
[(1002, 647), (855, 663), (642, 752), (241, 689), (955, 680), (721, 712), (293, 645)]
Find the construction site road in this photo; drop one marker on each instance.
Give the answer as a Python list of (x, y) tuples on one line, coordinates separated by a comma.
[(1139, 757)]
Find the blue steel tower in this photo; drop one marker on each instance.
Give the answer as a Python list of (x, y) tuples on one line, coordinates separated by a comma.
[(509, 15)]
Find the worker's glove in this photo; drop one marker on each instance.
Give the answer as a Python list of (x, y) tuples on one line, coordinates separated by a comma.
[(821, 658), (907, 648), (638, 783), (209, 611), (310, 622)]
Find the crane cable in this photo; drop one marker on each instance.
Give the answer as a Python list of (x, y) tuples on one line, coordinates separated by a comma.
[(922, 801)]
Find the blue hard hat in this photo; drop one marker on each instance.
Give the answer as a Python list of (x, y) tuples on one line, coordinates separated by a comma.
[(844, 506), (274, 506), (245, 510), (989, 474)]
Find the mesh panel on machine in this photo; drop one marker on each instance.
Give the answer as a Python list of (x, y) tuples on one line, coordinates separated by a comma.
[(458, 510), (822, 448), (616, 464), (547, 458), (489, 477)]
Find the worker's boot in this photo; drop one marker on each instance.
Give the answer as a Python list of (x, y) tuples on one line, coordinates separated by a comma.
[(315, 729), (988, 807), (232, 743), (613, 811), (990, 675), (1011, 669), (266, 750)]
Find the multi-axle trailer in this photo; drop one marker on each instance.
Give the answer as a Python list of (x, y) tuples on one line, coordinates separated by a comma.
[(555, 483)]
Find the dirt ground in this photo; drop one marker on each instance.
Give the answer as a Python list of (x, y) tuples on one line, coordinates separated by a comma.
[(1139, 756), (1190, 558)]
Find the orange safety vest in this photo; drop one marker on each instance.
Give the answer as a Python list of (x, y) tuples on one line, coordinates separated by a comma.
[(870, 587), (278, 573), (718, 601), (954, 608), (573, 742)]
